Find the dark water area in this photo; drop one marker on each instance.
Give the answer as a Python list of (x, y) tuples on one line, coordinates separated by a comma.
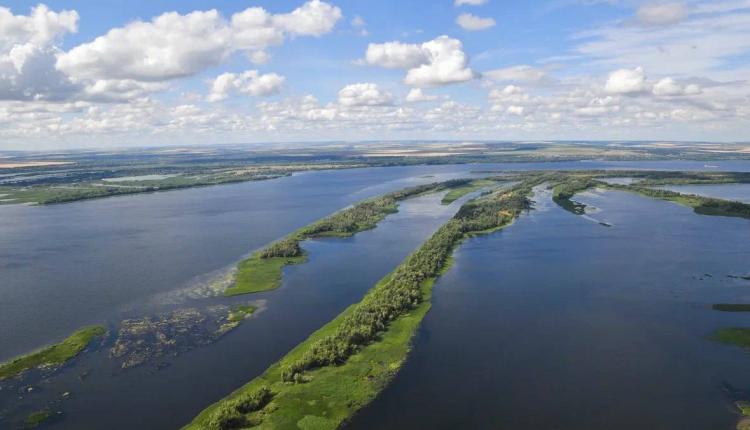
[(558, 322), (97, 262), (735, 192)]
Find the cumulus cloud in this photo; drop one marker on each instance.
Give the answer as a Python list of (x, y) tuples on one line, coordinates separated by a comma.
[(28, 54), (471, 22), (522, 73), (469, 2), (670, 87), (626, 81), (395, 55), (364, 94), (660, 14), (250, 82), (173, 45), (440, 61), (417, 95)]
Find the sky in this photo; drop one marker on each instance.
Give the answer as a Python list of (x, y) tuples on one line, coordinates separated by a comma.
[(86, 73)]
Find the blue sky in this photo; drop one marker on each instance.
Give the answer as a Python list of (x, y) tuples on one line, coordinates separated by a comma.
[(116, 73)]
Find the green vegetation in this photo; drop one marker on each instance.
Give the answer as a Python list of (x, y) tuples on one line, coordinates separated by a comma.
[(35, 419), (563, 192), (262, 270), (738, 336), (54, 355), (701, 205), (568, 184), (240, 312), (731, 307), (342, 366), (458, 192)]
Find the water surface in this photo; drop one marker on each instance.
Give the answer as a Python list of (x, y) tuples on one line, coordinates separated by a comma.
[(561, 323)]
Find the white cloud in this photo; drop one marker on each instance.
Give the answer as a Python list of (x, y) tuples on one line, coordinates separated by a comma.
[(314, 18), (626, 81), (174, 45), (440, 61), (469, 2), (417, 95), (364, 94), (249, 82), (41, 27), (28, 54), (395, 55), (670, 87), (515, 110), (471, 22), (447, 64), (659, 14), (522, 73)]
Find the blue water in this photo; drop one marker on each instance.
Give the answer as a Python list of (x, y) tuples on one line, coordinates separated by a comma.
[(735, 192), (99, 261), (558, 322)]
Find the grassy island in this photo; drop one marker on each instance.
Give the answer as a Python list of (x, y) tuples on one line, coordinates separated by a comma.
[(342, 366), (35, 419), (458, 192), (262, 270), (567, 185), (53, 355)]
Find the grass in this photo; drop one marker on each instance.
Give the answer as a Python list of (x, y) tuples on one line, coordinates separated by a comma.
[(53, 355), (333, 393), (240, 312), (263, 270), (328, 395), (258, 274), (35, 419), (737, 336), (458, 192)]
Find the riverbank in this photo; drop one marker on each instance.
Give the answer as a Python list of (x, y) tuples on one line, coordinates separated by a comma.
[(54, 355), (352, 358), (263, 269)]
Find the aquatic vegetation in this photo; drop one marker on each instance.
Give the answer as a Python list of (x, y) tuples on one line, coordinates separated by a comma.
[(53, 355), (738, 336), (342, 366), (731, 307), (37, 418), (262, 270), (143, 340)]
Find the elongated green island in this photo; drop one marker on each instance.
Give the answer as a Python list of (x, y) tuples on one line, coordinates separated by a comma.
[(342, 366), (53, 355), (566, 186), (262, 270)]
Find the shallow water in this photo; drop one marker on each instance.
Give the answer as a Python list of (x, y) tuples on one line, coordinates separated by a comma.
[(99, 261), (558, 322)]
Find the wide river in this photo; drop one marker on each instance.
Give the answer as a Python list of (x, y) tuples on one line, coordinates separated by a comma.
[(558, 322), (100, 261)]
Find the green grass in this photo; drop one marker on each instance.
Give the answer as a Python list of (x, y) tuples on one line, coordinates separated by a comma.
[(35, 419), (260, 274), (333, 393), (458, 192), (53, 355), (327, 395), (738, 336), (240, 312), (263, 270)]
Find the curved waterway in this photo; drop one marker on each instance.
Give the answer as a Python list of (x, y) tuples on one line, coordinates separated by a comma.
[(100, 261), (561, 323)]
